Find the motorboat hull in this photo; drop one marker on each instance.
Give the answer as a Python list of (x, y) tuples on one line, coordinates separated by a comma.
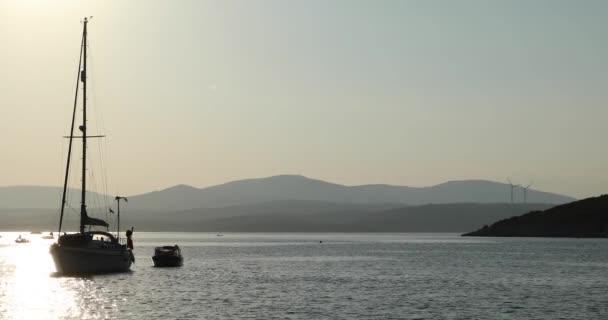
[(168, 261)]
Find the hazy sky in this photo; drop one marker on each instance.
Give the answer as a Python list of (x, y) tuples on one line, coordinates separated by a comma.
[(399, 92)]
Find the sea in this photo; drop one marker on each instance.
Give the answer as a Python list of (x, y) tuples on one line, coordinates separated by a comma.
[(318, 276)]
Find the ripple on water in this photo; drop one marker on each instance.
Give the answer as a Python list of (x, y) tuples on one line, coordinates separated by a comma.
[(294, 277)]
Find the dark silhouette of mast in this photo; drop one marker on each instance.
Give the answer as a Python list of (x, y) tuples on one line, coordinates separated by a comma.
[(67, 168), (83, 128)]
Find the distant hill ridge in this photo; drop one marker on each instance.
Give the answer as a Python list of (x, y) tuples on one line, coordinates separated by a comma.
[(587, 218), (288, 216), (291, 187), (295, 187), (44, 197)]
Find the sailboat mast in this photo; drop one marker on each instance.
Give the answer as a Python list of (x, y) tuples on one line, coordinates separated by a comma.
[(83, 128), (67, 166), (118, 220)]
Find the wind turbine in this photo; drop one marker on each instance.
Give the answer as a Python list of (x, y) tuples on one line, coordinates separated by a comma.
[(513, 186), (525, 189)]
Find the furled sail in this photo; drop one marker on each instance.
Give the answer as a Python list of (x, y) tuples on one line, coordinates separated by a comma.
[(94, 222)]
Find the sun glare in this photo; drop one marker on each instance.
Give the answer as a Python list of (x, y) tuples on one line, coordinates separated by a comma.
[(28, 289)]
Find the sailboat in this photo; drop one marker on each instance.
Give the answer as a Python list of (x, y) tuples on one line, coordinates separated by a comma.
[(87, 251)]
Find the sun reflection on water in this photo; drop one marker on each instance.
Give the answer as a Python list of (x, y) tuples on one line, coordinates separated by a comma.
[(28, 289)]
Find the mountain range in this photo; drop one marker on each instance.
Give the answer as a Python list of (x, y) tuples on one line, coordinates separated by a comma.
[(293, 187), (283, 203), (283, 188), (287, 216)]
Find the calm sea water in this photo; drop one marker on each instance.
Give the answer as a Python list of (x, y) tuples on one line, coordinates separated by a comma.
[(294, 276)]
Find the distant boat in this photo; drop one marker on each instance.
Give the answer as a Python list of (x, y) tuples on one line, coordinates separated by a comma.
[(168, 256), (49, 236), (35, 232), (87, 252), (21, 240)]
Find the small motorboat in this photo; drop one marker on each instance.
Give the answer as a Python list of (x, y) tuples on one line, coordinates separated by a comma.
[(49, 236), (168, 256), (21, 240)]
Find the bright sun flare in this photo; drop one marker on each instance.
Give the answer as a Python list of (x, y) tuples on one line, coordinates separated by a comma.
[(28, 289)]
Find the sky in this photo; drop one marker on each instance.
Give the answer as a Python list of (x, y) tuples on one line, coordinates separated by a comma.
[(354, 92)]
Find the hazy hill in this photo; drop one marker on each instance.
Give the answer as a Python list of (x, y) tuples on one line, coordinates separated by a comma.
[(290, 187), (291, 216), (281, 188), (426, 218), (40, 197), (584, 218)]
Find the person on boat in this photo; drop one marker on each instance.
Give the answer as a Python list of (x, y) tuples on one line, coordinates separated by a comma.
[(129, 240)]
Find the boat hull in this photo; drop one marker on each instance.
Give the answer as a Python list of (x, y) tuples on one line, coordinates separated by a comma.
[(90, 260), (168, 261)]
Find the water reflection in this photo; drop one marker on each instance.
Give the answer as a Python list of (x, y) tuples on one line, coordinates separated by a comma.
[(377, 276), (27, 289)]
